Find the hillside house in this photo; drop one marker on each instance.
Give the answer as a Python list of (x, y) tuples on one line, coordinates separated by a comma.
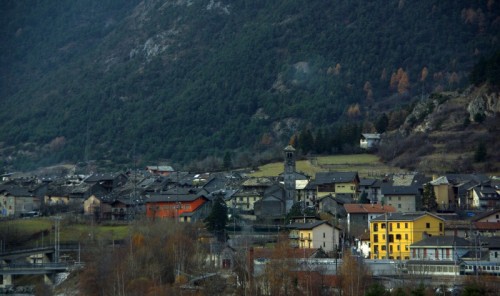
[(15, 200), (97, 207), (160, 170), (244, 201), (107, 181), (370, 189), (484, 197), (360, 215), (453, 190), (402, 198), (334, 205), (369, 141), (314, 235), (183, 206), (259, 184), (334, 183), (272, 207)]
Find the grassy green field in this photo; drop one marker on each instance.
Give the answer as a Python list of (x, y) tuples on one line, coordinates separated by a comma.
[(365, 164), (31, 230)]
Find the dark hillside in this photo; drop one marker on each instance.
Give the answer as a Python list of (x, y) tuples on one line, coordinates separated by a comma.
[(189, 79)]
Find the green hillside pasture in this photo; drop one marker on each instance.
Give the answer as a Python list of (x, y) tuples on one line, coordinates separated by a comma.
[(367, 165), (82, 232), (30, 231)]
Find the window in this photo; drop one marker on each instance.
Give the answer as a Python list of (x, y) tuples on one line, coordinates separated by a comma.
[(399, 206), (398, 248), (440, 226), (399, 197), (406, 236), (324, 244), (375, 227), (383, 248), (427, 225), (397, 225), (406, 225), (375, 238), (391, 238), (382, 225), (398, 236), (324, 235)]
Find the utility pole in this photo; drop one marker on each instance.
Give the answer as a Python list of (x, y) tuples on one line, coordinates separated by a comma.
[(57, 238), (386, 238)]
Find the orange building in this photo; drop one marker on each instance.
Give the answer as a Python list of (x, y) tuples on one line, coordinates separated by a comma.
[(183, 207)]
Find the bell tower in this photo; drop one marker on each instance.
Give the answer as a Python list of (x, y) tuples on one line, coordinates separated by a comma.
[(289, 176)]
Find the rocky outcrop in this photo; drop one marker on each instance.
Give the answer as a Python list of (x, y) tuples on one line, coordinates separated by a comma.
[(483, 102)]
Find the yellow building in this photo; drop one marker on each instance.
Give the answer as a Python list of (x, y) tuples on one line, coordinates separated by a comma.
[(443, 190), (345, 183), (391, 235)]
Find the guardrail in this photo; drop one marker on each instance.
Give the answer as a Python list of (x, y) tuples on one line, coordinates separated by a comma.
[(41, 268)]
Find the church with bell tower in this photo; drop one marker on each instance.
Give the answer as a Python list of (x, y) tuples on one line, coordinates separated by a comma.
[(289, 176)]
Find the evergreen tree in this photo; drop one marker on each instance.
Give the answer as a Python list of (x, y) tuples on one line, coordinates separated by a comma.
[(429, 202), (481, 153), (217, 219), (228, 163), (306, 141), (295, 211), (320, 142), (382, 123)]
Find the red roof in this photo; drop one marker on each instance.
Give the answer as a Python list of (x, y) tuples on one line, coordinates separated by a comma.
[(368, 208), (487, 225)]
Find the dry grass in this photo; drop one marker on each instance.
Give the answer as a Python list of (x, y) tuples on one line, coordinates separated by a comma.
[(367, 165)]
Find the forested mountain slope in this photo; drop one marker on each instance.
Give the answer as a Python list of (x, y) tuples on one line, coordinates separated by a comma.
[(188, 79)]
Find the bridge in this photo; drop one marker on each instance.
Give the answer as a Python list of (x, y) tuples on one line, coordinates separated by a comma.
[(35, 261)]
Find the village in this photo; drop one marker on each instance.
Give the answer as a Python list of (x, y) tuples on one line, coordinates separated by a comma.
[(439, 229)]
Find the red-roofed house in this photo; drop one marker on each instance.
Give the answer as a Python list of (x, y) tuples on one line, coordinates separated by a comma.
[(184, 207), (360, 215)]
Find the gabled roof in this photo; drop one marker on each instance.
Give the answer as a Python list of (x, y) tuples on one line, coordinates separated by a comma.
[(102, 177), (440, 181), (388, 189), (409, 216), (487, 225), (442, 241), (464, 178), (367, 182), (307, 226), (174, 198), (335, 177), (16, 191), (371, 136), (485, 214), (160, 168), (486, 192), (368, 208), (259, 181)]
